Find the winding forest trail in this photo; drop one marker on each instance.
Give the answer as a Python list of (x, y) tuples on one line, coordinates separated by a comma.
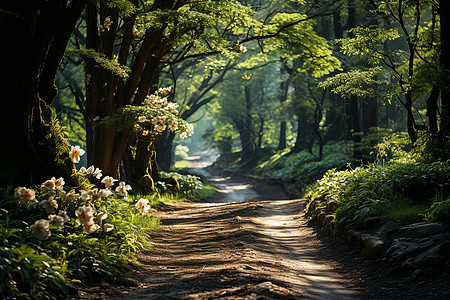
[(248, 242)]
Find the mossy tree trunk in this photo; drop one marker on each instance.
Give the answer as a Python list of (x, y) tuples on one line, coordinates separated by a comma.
[(33, 37), (106, 92)]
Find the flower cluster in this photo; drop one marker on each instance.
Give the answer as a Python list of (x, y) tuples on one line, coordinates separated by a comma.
[(52, 195), (91, 171), (163, 116)]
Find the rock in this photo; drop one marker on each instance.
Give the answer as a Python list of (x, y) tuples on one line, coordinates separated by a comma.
[(421, 230), (401, 250), (373, 247), (408, 267), (416, 274), (431, 258)]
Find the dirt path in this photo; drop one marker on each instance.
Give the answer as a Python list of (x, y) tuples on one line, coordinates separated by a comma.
[(256, 249)]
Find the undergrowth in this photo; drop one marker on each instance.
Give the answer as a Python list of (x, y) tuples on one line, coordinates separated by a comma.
[(52, 234), (404, 187)]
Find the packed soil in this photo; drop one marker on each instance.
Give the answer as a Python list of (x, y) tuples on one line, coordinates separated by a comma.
[(258, 248)]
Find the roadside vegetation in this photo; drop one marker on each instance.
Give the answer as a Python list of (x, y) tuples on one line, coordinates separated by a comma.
[(53, 235)]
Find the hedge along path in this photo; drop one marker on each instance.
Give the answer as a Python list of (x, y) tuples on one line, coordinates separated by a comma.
[(258, 249)]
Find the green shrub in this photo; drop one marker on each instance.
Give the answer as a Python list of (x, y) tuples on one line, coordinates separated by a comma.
[(439, 212), (374, 190)]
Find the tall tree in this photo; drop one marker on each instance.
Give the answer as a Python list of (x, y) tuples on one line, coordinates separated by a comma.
[(33, 37)]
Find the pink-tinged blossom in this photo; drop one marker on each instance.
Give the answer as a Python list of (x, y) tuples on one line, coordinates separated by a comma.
[(63, 214), (50, 184), (84, 214), (90, 226), (24, 195), (173, 125), (59, 183), (108, 181), (75, 153), (142, 206), (49, 205), (107, 23), (56, 220), (165, 91), (108, 227), (41, 229), (101, 216), (123, 188), (160, 128)]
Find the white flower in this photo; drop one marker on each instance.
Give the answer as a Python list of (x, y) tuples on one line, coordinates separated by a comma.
[(105, 193), (108, 227), (84, 214), (160, 128), (123, 188), (85, 195), (72, 196), (97, 173), (90, 226), (24, 195), (172, 107), (137, 128), (59, 182), (90, 170), (142, 206), (108, 181), (58, 221), (75, 153), (49, 205), (50, 184), (142, 119), (64, 215), (41, 229), (102, 216), (242, 48)]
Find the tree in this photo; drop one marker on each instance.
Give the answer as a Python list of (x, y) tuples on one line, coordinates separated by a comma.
[(33, 36)]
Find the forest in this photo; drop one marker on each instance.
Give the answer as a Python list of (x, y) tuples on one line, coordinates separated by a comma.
[(343, 103)]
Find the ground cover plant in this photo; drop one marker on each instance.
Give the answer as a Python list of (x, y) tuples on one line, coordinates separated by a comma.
[(305, 167), (404, 187), (52, 234)]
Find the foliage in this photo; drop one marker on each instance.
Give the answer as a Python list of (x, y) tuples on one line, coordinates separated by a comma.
[(303, 166), (152, 118), (373, 190), (190, 185), (100, 60), (439, 212), (53, 232)]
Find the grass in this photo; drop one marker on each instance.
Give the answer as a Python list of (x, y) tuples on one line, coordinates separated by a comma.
[(403, 210)]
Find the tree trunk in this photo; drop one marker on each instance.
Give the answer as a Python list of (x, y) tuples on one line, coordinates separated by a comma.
[(33, 37), (284, 86)]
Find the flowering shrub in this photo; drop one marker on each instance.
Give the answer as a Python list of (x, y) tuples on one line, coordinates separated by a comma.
[(82, 233), (153, 117)]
